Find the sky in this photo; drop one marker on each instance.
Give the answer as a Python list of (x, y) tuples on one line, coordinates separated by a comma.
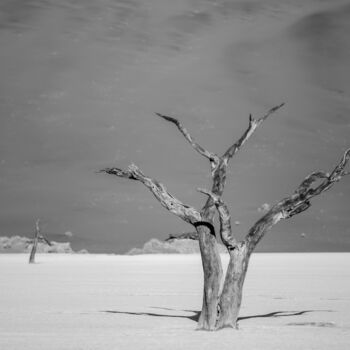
[(81, 81)]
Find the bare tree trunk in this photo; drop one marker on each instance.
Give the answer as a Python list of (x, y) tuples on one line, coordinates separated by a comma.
[(212, 270), (35, 242), (231, 296)]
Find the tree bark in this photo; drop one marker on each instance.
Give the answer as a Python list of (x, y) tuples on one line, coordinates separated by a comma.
[(231, 296), (212, 272)]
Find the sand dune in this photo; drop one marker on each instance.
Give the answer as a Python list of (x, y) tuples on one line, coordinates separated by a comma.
[(291, 301), (81, 81)]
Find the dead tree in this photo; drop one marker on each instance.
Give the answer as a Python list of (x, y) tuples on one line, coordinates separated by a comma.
[(38, 237), (222, 297)]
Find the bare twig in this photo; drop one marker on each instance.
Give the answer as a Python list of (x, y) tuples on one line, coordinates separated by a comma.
[(187, 235), (211, 156)]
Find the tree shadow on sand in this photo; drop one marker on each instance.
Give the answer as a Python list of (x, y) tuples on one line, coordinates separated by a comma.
[(196, 314)]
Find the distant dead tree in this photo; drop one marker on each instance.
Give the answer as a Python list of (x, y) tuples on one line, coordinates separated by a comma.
[(222, 297), (38, 237)]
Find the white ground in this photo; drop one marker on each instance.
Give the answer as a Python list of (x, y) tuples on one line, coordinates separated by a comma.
[(143, 302)]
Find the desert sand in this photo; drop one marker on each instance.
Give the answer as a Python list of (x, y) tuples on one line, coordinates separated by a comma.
[(291, 301)]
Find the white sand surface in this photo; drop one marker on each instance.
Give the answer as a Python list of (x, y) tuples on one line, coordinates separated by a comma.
[(291, 301)]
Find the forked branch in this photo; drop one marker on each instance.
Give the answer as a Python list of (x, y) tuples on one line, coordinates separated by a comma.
[(214, 159)]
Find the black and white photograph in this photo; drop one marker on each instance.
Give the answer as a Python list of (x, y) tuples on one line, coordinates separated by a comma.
[(174, 174)]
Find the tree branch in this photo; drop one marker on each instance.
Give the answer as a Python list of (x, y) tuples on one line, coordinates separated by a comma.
[(309, 180), (185, 212), (211, 156), (186, 235), (299, 201), (44, 240), (206, 224), (253, 124)]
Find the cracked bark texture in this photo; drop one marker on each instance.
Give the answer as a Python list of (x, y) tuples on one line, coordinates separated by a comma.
[(222, 299)]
